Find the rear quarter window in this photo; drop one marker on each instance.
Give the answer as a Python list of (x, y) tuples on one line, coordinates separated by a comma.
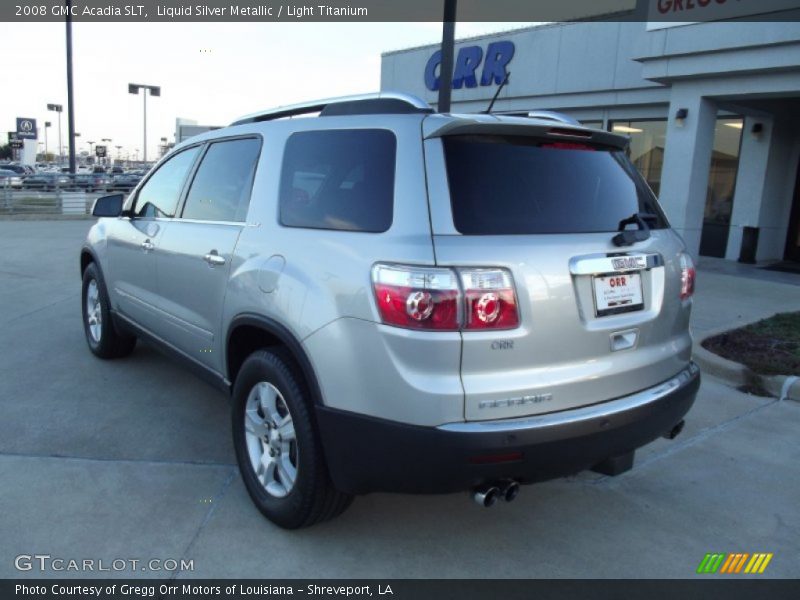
[(339, 179), (501, 185)]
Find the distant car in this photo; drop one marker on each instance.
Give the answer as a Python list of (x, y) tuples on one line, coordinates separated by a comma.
[(117, 170), (126, 182), (48, 181), (91, 182), (10, 179), (18, 169)]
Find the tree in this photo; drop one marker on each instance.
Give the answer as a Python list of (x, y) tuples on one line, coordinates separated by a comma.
[(5, 152)]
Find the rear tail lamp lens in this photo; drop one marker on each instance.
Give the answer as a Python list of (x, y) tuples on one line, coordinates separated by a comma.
[(417, 297), (688, 275), (431, 298), (490, 300)]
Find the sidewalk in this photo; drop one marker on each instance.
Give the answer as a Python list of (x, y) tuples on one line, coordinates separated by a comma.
[(730, 294)]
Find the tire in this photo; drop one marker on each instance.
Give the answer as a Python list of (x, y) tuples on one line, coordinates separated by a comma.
[(291, 487), (103, 338)]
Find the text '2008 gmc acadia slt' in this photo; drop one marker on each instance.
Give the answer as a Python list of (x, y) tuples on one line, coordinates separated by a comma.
[(404, 301)]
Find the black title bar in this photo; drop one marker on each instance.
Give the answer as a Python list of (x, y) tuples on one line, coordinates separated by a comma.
[(398, 10)]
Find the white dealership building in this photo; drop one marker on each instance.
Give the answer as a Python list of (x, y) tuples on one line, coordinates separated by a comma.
[(712, 110)]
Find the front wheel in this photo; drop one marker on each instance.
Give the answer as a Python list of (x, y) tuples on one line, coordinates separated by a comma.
[(101, 335), (277, 446)]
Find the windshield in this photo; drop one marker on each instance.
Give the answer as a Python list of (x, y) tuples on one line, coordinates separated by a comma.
[(501, 185)]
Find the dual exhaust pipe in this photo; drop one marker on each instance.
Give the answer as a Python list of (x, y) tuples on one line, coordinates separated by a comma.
[(488, 494)]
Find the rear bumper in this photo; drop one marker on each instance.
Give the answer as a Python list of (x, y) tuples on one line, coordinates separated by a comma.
[(366, 454)]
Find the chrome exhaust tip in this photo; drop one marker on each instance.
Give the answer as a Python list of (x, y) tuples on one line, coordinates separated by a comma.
[(509, 491), (486, 496)]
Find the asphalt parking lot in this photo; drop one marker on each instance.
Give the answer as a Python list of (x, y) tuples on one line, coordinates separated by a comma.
[(132, 459)]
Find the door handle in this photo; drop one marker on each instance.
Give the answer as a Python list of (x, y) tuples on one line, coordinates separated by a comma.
[(147, 245), (214, 259)]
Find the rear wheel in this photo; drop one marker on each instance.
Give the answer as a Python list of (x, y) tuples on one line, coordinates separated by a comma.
[(101, 335), (277, 445)]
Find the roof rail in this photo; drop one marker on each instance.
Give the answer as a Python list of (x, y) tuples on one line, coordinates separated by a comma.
[(374, 103), (547, 115)]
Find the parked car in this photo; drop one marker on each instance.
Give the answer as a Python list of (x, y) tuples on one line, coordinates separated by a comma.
[(18, 169), (408, 302), (10, 179), (92, 182), (125, 182), (48, 181)]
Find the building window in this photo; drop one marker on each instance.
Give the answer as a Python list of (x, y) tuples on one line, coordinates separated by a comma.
[(646, 149), (721, 186)]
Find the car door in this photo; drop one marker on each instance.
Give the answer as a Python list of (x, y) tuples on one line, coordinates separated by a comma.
[(194, 260), (134, 240)]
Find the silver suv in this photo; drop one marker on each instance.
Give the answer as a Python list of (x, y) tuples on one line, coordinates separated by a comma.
[(404, 301)]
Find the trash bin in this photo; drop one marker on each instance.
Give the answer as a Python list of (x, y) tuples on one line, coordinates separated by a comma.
[(747, 253)]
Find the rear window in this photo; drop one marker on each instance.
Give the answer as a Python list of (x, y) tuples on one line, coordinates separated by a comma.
[(339, 179), (502, 185)]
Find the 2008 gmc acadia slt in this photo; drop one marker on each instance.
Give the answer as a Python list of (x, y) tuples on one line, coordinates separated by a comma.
[(404, 301)]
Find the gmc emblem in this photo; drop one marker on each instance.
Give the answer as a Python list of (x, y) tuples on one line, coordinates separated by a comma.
[(629, 262)]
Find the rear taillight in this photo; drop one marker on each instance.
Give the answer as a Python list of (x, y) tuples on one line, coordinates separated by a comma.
[(417, 297), (490, 302), (445, 299), (688, 275)]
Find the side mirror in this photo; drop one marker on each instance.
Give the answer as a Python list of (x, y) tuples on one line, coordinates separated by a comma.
[(108, 206)]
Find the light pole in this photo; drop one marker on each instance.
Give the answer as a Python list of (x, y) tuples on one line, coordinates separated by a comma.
[(91, 149), (446, 73), (105, 160), (70, 97), (155, 90), (58, 108), (46, 152), (119, 153)]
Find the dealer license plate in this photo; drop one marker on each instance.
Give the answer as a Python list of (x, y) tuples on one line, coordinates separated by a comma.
[(615, 294)]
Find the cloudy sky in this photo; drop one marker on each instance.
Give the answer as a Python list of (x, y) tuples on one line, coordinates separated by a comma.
[(208, 72)]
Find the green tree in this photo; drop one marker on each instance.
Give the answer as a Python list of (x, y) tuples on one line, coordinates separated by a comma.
[(5, 152)]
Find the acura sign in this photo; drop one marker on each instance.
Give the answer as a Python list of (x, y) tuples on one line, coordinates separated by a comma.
[(26, 128)]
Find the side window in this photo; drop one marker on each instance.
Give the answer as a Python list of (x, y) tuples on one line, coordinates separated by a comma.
[(339, 179), (221, 188), (160, 194)]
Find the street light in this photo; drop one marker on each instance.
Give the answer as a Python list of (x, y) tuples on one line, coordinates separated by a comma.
[(155, 90), (58, 108), (107, 157), (46, 151)]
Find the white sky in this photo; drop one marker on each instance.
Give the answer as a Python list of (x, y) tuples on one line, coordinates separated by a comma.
[(211, 73)]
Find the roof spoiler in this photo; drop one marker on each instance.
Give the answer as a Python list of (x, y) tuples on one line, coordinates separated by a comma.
[(444, 125)]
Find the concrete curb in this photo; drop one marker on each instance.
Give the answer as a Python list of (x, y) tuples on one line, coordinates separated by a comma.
[(784, 387)]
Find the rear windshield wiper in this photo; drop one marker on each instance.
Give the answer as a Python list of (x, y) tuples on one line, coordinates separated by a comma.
[(628, 237)]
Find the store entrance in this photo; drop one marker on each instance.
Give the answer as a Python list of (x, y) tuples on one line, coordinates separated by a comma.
[(721, 186), (793, 236)]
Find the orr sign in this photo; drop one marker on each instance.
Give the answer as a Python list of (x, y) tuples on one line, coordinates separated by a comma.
[(467, 71)]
